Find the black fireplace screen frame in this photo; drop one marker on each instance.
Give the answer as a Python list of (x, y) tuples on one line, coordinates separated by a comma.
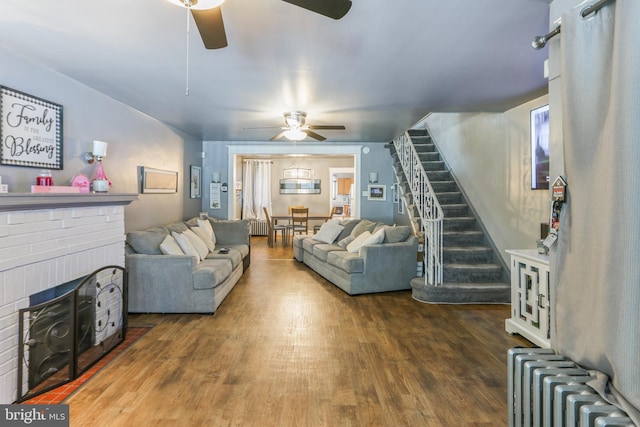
[(61, 338)]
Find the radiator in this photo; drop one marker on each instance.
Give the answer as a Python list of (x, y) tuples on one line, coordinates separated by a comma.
[(259, 227), (548, 390)]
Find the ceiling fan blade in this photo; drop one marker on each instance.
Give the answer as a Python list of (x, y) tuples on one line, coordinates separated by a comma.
[(278, 136), (327, 127), (211, 27), (314, 135), (335, 9)]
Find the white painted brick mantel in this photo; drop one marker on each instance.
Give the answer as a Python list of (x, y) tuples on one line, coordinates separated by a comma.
[(47, 240)]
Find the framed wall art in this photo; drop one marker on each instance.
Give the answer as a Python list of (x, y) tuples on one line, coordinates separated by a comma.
[(159, 181), (30, 131), (196, 184), (377, 193), (540, 148)]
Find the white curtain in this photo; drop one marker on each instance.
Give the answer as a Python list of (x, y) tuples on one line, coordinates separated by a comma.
[(598, 256), (256, 183)]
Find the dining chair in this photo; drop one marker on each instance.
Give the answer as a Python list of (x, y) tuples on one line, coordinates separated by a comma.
[(273, 230), (316, 227), (299, 222)]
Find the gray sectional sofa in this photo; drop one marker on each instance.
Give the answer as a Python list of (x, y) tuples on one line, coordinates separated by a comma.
[(377, 266), (164, 280)]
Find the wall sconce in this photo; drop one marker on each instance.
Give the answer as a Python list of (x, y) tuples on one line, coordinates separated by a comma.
[(216, 177), (101, 183), (99, 151), (373, 177)]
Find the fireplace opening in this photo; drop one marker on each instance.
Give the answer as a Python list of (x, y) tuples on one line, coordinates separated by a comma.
[(66, 329)]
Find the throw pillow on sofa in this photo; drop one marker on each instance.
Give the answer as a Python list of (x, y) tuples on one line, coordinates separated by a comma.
[(206, 225), (147, 242), (197, 243), (169, 246), (362, 226), (345, 242), (186, 246), (396, 234), (375, 238), (358, 242), (328, 232), (205, 237)]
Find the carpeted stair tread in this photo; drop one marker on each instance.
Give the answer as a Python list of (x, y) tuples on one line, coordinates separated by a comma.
[(461, 293)]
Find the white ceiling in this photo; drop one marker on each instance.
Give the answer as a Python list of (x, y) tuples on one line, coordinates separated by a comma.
[(377, 71)]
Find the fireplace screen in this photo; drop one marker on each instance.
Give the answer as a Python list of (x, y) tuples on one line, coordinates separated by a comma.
[(62, 337)]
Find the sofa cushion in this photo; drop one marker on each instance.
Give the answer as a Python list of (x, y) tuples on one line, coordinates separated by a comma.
[(234, 256), (185, 245), (328, 232), (169, 246), (346, 261), (308, 244), (243, 249), (358, 242), (147, 242), (396, 234), (322, 250), (362, 226), (211, 273)]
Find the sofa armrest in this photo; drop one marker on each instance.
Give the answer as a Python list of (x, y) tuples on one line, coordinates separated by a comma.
[(159, 283), (391, 259), (232, 232)]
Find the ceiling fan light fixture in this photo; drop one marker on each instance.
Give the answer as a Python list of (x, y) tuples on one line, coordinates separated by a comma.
[(295, 119), (197, 4), (295, 135)]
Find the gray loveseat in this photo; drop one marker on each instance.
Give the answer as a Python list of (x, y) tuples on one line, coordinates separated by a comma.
[(378, 267), (181, 283)]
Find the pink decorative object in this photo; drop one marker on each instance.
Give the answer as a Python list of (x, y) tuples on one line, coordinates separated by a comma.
[(100, 175), (82, 182)]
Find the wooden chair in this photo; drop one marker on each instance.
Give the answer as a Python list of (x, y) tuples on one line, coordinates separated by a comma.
[(316, 227), (273, 230), (299, 222)]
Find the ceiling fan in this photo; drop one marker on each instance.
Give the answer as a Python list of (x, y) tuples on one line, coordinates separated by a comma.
[(296, 129), (208, 16)]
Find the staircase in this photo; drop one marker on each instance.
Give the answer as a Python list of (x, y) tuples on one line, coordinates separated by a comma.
[(472, 271)]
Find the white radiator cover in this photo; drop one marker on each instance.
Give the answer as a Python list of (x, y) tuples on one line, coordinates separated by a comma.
[(547, 389), (259, 227)]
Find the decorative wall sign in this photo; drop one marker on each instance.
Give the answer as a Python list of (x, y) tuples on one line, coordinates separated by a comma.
[(159, 181), (30, 131), (196, 185)]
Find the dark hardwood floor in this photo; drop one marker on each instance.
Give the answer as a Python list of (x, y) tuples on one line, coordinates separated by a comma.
[(287, 348)]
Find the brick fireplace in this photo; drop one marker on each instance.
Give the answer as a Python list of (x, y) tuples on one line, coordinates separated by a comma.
[(47, 240)]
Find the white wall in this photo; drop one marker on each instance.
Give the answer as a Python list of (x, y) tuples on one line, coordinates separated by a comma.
[(489, 155), (135, 139)]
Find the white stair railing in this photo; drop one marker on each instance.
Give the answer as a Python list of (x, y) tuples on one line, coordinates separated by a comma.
[(427, 205)]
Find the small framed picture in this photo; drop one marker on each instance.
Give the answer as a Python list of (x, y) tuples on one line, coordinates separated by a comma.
[(377, 193), (196, 182)]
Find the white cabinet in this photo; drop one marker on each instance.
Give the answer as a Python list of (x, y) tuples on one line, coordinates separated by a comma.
[(530, 305)]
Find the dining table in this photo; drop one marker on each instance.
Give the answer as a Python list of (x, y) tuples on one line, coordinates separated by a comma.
[(311, 217)]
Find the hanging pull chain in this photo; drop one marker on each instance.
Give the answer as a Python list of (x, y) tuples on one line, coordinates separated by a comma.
[(187, 91)]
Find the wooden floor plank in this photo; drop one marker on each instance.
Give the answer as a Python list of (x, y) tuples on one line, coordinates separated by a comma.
[(288, 348)]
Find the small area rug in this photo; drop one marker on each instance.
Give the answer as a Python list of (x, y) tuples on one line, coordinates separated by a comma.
[(59, 394)]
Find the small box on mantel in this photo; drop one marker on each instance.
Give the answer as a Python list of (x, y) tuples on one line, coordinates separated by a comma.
[(54, 189)]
